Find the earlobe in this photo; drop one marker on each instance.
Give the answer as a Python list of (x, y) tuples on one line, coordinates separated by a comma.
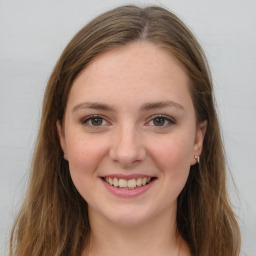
[(61, 138), (199, 140)]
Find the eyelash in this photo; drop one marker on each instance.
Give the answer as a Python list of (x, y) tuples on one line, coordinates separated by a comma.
[(170, 121), (88, 119), (165, 118)]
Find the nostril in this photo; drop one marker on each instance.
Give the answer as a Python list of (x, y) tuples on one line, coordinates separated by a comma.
[(127, 149)]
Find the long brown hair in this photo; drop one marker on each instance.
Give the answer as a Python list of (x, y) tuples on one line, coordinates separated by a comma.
[(53, 219)]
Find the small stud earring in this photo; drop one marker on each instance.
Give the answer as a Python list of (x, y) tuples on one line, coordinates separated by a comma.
[(197, 158)]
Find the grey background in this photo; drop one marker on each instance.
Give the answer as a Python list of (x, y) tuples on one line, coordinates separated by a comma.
[(33, 35)]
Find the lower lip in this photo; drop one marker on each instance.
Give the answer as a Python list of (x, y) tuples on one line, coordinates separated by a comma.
[(128, 192)]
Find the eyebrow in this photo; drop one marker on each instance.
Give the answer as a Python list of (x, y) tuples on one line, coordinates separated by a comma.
[(162, 104), (145, 107), (93, 105)]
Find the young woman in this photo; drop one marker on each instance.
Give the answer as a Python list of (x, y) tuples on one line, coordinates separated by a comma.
[(129, 158)]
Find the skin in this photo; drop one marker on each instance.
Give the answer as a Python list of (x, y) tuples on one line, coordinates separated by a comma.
[(124, 84)]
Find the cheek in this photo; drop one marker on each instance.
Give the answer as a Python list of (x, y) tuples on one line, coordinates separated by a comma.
[(173, 152), (84, 156), (173, 158), (172, 155), (84, 151)]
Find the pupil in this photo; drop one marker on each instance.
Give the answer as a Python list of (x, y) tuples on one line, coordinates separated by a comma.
[(97, 121), (159, 121)]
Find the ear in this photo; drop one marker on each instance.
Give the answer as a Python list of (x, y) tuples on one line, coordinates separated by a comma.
[(199, 139), (62, 140)]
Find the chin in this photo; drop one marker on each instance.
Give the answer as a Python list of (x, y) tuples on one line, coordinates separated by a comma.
[(126, 216), (127, 220)]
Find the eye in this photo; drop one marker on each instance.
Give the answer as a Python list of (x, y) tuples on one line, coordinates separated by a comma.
[(94, 120), (161, 121)]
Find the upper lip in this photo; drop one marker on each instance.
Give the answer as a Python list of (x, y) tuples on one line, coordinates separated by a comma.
[(127, 177)]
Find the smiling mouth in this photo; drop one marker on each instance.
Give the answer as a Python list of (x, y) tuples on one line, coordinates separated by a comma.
[(128, 184)]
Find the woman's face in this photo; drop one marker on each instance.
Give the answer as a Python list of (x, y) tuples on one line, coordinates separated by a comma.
[(130, 134)]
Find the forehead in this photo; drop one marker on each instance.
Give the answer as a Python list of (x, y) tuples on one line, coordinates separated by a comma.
[(139, 69)]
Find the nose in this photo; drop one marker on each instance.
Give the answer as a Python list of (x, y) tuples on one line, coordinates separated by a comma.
[(127, 147)]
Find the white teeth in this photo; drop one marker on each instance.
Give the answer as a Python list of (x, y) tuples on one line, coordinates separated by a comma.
[(139, 182), (115, 182), (122, 183), (127, 184), (132, 183)]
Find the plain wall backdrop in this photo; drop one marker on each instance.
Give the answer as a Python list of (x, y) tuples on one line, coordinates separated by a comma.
[(32, 37)]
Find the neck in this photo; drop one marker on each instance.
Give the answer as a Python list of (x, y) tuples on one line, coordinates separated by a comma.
[(154, 237)]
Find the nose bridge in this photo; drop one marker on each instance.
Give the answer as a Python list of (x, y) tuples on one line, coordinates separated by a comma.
[(127, 147)]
